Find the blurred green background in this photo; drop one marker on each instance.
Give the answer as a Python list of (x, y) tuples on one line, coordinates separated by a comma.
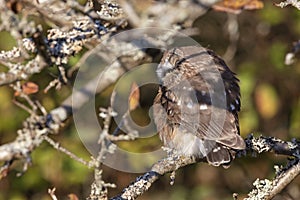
[(270, 106)]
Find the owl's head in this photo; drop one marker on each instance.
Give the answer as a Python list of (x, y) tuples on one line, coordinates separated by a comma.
[(182, 62), (167, 64), (201, 71)]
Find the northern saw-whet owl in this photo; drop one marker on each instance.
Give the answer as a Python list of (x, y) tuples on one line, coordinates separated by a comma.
[(196, 108)]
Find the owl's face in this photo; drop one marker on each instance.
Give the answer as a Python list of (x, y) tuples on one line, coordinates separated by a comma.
[(168, 64), (197, 104), (164, 67)]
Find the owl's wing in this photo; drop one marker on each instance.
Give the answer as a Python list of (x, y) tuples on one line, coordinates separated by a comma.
[(220, 125), (204, 111), (210, 123)]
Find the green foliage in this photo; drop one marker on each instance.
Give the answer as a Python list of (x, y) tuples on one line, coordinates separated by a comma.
[(277, 55), (295, 119), (271, 14), (248, 116), (7, 42)]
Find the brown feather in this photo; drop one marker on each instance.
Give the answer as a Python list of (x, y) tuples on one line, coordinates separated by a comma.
[(196, 108)]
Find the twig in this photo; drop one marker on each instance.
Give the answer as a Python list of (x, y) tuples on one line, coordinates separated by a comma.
[(22, 72), (52, 193), (99, 188), (57, 146), (233, 31), (132, 16)]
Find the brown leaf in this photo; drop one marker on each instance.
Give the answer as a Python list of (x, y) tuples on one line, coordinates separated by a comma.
[(134, 97), (28, 88), (4, 173), (14, 5), (237, 6), (73, 196)]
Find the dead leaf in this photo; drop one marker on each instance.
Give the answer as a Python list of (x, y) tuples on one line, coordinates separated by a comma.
[(4, 173), (73, 196), (28, 88), (134, 96), (14, 5), (237, 6)]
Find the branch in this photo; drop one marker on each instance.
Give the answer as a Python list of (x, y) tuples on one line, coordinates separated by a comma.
[(293, 3), (284, 179), (76, 28), (36, 127), (162, 12), (254, 145), (267, 189), (271, 144), (144, 182)]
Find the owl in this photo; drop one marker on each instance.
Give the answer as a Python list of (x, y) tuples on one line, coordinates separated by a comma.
[(196, 108)]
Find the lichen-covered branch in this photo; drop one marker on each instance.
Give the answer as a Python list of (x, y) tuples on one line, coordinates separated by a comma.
[(265, 189), (284, 178), (36, 126), (144, 182), (294, 3), (271, 144), (77, 26), (29, 137)]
